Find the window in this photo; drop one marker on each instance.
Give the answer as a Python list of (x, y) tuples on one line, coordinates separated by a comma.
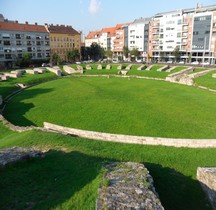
[(6, 42), (19, 43), (5, 36)]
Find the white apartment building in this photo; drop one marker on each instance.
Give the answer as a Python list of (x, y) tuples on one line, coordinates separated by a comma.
[(138, 36), (193, 31), (92, 37)]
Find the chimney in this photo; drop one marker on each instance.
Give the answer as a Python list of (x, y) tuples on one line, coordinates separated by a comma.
[(45, 24), (26, 22), (16, 21), (36, 24)]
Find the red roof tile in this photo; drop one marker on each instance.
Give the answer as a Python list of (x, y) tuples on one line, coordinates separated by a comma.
[(11, 26), (62, 29)]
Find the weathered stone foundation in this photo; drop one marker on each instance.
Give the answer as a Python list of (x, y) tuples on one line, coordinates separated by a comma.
[(207, 179), (127, 186)]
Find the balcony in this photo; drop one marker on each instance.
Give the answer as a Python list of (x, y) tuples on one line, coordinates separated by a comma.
[(155, 32), (155, 38), (155, 43), (156, 25), (185, 23)]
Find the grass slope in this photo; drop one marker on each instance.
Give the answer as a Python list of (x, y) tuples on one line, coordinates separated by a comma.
[(118, 105), (207, 80), (9, 86), (68, 177)]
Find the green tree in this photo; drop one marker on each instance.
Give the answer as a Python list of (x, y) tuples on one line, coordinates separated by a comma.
[(176, 53), (162, 56), (108, 53), (55, 58), (96, 52), (73, 55), (126, 51), (134, 52), (189, 58)]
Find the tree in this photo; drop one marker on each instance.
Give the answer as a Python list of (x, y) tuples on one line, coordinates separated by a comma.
[(176, 53), (162, 56), (55, 58), (96, 52), (108, 53), (149, 57), (73, 55), (126, 51), (24, 61), (189, 58), (134, 52)]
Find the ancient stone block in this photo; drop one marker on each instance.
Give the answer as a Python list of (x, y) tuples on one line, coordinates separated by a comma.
[(207, 179), (127, 185)]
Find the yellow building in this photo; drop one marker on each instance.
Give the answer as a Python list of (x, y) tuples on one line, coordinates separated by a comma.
[(63, 39)]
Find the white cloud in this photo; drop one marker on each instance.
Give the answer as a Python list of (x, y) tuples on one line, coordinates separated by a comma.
[(94, 6)]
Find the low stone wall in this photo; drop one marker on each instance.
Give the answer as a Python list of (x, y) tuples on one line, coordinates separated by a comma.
[(55, 70), (69, 70), (149, 67), (14, 127), (14, 154), (171, 69), (207, 179), (127, 186), (142, 67), (163, 68), (191, 143)]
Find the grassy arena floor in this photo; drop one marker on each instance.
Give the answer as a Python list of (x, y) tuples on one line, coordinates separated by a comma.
[(118, 105), (69, 175)]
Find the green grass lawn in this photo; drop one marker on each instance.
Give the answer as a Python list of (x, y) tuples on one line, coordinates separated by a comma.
[(207, 80), (9, 86), (153, 72), (69, 175), (118, 105), (196, 70)]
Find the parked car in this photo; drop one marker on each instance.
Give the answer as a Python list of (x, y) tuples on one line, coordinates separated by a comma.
[(169, 61), (195, 63), (205, 63), (181, 62), (46, 65)]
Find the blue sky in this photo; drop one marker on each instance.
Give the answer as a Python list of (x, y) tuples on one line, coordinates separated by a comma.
[(86, 15)]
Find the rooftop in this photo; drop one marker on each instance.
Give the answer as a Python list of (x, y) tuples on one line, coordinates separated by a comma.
[(14, 26), (62, 29)]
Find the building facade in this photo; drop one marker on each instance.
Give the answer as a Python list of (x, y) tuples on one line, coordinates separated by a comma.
[(63, 39), (138, 36), (192, 31), (17, 39)]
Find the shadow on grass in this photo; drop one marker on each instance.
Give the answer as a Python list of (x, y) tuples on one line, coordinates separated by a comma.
[(177, 191), (47, 183), (16, 109)]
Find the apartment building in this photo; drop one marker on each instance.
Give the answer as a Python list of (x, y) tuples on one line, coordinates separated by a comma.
[(17, 39), (120, 41), (63, 39), (138, 36), (92, 37), (193, 31)]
